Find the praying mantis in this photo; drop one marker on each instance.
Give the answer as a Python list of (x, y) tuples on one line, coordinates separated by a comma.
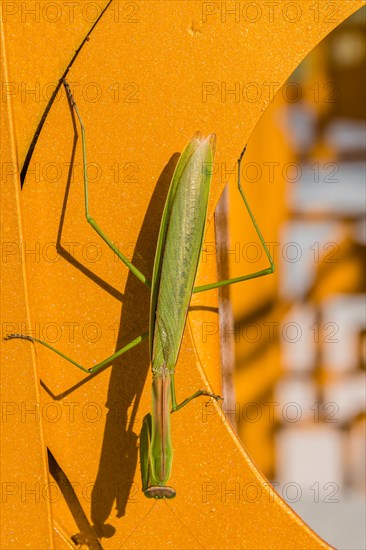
[(176, 262)]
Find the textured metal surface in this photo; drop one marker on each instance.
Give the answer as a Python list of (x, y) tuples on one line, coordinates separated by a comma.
[(160, 54)]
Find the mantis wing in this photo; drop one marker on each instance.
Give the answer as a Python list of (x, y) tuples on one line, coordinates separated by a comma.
[(155, 282), (178, 250)]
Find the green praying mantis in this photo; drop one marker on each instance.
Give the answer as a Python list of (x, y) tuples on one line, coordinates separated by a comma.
[(176, 261)]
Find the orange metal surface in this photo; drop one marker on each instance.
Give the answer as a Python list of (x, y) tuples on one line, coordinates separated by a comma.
[(148, 64), (23, 450)]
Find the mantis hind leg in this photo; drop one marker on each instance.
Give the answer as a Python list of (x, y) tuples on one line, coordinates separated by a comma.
[(89, 218), (270, 269)]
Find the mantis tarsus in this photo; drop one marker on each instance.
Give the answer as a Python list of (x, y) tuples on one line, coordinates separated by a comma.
[(176, 260)]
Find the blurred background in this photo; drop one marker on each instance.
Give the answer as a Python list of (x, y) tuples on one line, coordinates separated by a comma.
[(300, 334)]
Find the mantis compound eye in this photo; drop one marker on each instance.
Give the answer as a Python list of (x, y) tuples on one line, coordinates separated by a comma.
[(157, 491)]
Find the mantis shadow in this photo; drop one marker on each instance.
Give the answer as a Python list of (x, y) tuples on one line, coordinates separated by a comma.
[(114, 485), (119, 453)]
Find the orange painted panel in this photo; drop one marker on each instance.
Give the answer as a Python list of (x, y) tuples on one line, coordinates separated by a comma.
[(151, 74)]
